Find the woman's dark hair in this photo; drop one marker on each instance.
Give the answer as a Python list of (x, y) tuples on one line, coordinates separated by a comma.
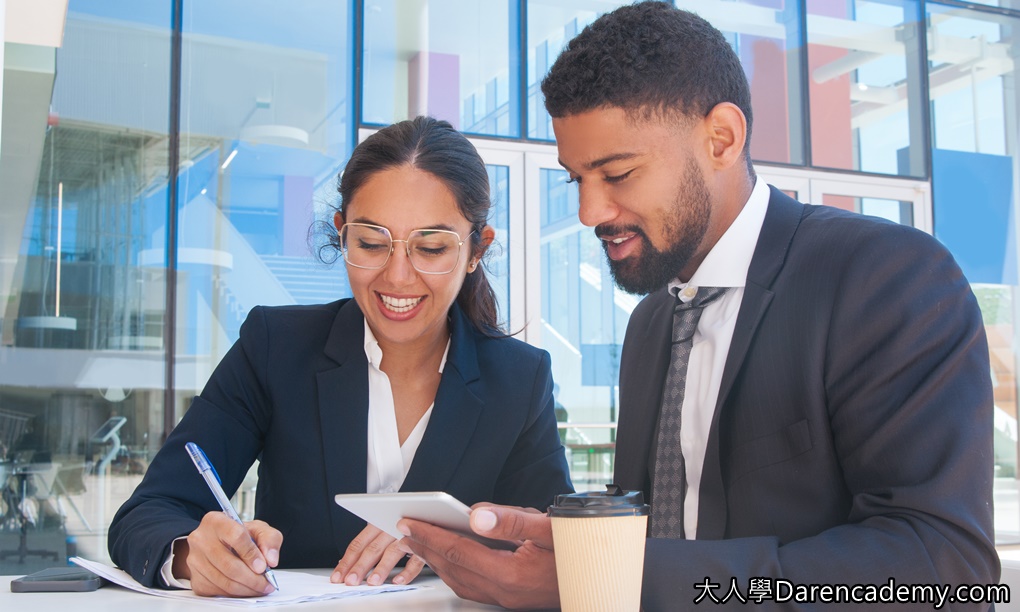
[(648, 58), (433, 146)]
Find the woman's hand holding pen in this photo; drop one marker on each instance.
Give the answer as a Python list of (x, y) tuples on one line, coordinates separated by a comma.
[(221, 558), (374, 547)]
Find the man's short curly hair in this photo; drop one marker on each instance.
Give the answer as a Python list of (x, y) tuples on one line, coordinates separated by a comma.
[(648, 58)]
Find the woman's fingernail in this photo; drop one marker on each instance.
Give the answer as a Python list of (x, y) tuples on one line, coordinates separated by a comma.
[(352, 580), (335, 577), (402, 528), (269, 589), (259, 566), (374, 579), (483, 520), (398, 580), (273, 556)]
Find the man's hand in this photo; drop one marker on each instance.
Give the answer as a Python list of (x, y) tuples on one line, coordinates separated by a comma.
[(525, 578), (220, 557), (373, 548)]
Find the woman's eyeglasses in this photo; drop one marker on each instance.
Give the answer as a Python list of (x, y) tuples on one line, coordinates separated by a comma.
[(430, 251)]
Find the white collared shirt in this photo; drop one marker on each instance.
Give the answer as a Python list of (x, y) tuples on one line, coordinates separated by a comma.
[(726, 265), (388, 459)]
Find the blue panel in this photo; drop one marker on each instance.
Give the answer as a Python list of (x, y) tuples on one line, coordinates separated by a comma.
[(973, 205), (600, 364)]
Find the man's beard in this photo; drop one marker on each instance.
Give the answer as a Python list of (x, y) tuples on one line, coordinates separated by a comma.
[(684, 226)]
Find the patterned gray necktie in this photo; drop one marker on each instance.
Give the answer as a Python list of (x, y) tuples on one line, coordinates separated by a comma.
[(670, 483)]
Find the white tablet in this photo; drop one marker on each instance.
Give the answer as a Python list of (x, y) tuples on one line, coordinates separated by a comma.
[(441, 509)]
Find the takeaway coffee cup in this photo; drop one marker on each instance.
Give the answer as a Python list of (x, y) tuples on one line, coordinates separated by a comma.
[(599, 538)]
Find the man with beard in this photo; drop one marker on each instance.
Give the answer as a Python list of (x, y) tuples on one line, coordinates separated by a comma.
[(828, 418)]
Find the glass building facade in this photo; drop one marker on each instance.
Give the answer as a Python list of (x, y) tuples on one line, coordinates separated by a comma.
[(164, 163)]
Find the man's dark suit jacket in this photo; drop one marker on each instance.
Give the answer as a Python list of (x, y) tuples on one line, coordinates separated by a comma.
[(852, 438), (293, 392)]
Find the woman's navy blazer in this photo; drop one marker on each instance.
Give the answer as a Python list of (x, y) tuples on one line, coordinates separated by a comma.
[(293, 393)]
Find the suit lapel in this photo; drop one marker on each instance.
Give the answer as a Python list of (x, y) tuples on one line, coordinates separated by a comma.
[(459, 404), (641, 393), (343, 409), (781, 221)]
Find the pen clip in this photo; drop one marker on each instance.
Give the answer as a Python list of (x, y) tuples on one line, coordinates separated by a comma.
[(201, 461)]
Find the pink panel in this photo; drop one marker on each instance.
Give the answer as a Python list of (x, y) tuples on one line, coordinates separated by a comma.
[(770, 138), (433, 86), (831, 130), (297, 214)]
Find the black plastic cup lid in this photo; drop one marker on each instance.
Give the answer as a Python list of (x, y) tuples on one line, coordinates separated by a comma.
[(614, 501)]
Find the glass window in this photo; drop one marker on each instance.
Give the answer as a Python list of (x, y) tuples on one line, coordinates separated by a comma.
[(972, 74), (265, 128), (766, 36), (584, 319), (1009, 4), (896, 211), (867, 106), (551, 25), (455, 60), (497, 263), (763, 32), (84, 175)]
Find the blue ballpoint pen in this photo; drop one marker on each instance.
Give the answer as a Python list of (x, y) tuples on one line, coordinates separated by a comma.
[(208, 472)]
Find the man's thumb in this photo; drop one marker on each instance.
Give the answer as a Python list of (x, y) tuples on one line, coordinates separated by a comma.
[(510, 524)]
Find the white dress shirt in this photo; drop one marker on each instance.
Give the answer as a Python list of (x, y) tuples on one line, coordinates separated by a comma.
[(388, 459), (725, 265)]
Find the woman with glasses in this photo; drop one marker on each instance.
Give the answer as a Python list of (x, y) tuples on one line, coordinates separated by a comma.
[(411, 385)]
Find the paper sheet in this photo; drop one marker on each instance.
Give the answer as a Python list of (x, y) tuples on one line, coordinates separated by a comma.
[(295, 587)]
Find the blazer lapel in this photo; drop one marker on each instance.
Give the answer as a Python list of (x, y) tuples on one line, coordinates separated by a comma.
[(343, 409), (459, 403), (781, 221), (641, 393)]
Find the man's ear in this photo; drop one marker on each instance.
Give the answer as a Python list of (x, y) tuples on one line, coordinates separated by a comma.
[(338, 220), (727, 133)]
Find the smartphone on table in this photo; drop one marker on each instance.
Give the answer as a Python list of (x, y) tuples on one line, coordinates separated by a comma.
[(57, 579)]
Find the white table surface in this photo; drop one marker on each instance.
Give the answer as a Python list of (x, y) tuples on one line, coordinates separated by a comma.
[(112, 598)]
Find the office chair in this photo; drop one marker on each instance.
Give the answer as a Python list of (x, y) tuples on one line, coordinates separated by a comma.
[(69, 480)]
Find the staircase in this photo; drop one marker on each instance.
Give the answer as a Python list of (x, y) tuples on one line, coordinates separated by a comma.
[(307, 280)]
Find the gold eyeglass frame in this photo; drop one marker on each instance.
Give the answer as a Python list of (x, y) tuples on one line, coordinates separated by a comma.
[(407, 246)]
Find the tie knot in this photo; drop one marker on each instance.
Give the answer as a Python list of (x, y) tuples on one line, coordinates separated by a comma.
[(702, 296), (687, 314)]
